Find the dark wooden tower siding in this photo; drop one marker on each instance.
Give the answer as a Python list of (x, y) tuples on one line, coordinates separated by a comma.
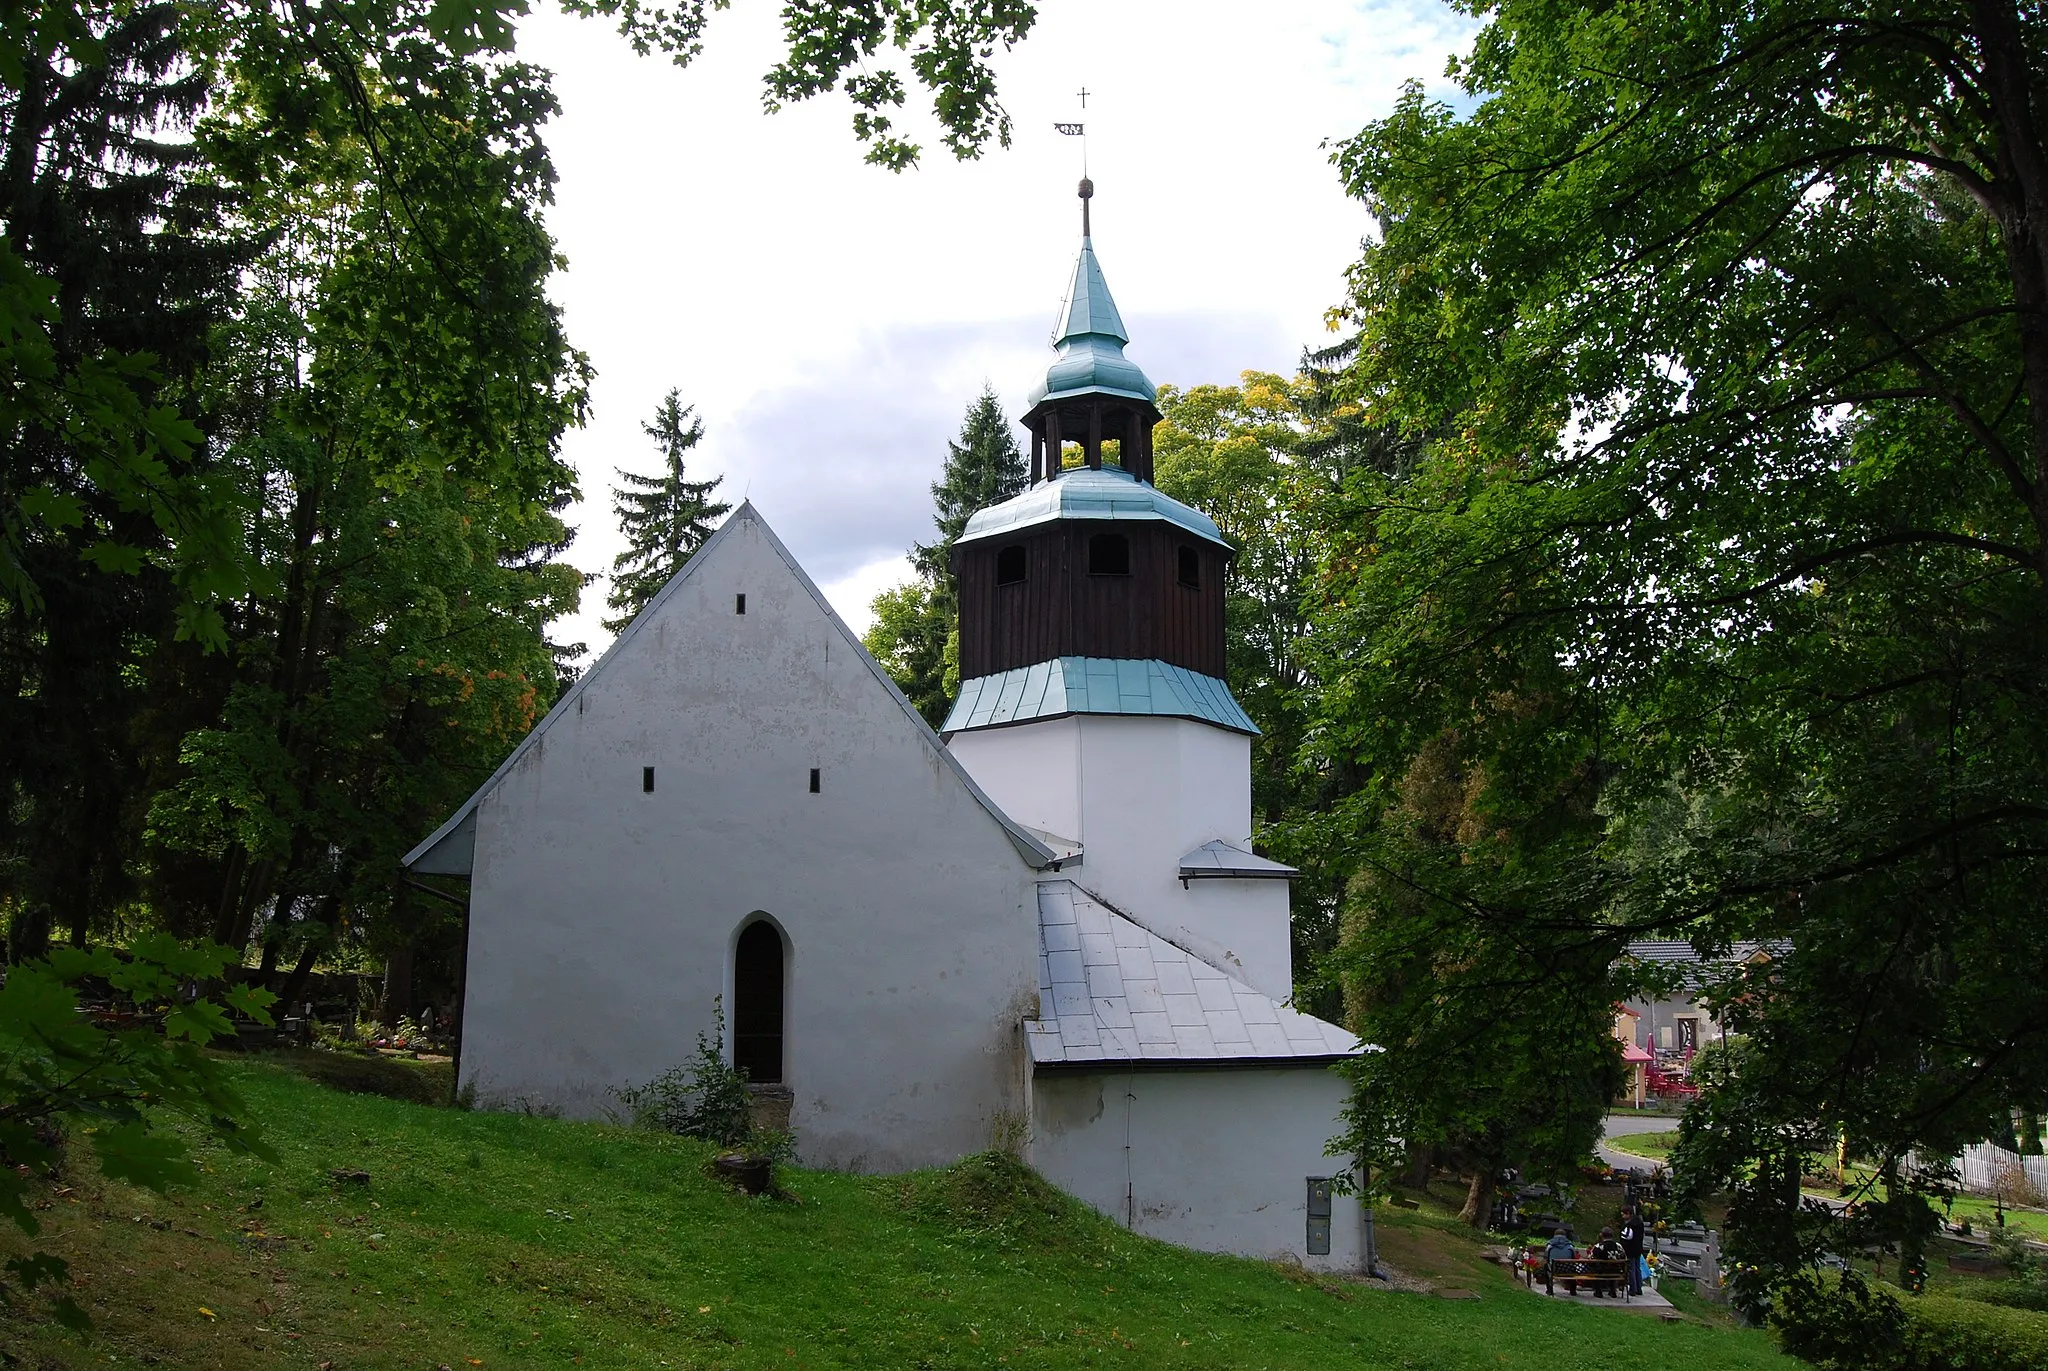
[(1030, 598)]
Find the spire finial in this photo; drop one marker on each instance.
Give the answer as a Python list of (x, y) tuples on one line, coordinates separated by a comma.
[(1087, 194)]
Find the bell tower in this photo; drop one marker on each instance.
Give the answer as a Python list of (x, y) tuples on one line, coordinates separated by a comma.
[(1092, 393), (1093, 705)]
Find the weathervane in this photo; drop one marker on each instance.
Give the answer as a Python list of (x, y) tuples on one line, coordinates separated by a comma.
[(1087, 186)]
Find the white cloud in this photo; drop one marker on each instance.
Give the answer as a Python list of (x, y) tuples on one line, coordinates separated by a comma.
[(831, 321)]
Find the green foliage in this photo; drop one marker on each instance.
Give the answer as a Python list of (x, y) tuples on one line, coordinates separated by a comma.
[(994, 1198), (645, 1259), (916, 632), (1498, 1051), (1723, 570), (830, 47), (279, 376), (665, 518), (706, 1098), (1265, 459), (1962, 1335), (984, 466), (2028, 1292), (1840, 1322), (1844, 1323), (105, 466), (116, 1077), (1495, 1039), (916, 639)]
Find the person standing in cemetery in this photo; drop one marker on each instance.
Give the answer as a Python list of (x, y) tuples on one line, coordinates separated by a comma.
[(1632, 1246)]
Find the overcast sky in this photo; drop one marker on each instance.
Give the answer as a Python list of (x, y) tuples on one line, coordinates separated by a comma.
[(832, 321)]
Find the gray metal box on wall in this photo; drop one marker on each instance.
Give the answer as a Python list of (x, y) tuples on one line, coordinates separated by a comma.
[(1319, 1193)]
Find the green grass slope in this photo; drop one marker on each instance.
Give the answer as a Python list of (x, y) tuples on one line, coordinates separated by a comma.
[(497, 1240)]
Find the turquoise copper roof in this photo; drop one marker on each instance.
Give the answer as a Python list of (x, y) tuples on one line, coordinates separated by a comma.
[(1095, 685), (1091, 342), (1088, 493)]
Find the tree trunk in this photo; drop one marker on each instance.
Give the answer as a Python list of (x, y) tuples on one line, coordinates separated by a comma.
[(327, 913), (1416, 1177), (397, 999), (28, 932), (1478, 1210)]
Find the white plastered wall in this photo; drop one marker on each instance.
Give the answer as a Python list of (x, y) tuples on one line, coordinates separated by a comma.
[(1218, 1159), (603, 918), (1139, 793)]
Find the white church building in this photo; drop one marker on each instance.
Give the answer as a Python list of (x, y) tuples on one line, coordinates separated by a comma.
[(1043, 922)]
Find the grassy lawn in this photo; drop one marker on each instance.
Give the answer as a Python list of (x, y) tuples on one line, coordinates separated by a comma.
[(1980, 1212), (1655, 1147), (498, 1240)]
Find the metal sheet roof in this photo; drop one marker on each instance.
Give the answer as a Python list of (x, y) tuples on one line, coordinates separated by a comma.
[(1088, 493), (1091, 339), (1095, 685), (1221, 861), (1089, 306), (1111, 990)]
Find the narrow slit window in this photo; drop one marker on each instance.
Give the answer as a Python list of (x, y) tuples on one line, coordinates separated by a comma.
[(739, 604), (1190, 574), (814, 780), (647, 779), (1109, 554), (757, 1003), (1011, 564)]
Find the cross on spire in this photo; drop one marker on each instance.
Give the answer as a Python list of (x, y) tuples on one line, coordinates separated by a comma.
[(1084, 97)]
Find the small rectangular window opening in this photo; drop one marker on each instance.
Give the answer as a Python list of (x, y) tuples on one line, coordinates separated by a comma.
[(647, 780), (739, 604), (1011, 563), (814, 780), (1109, 554), (1190, 569)]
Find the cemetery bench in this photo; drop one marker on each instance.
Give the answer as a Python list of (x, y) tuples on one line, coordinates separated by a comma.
[(1578, 1272)]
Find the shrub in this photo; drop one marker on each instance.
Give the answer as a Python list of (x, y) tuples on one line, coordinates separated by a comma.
[(1965, 1335), (2018, 1293), (1843, 1324), (1847, 1324), (703, 1098)]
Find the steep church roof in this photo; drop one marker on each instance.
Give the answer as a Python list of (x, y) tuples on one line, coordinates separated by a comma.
[(450, 849), (1112, 990)]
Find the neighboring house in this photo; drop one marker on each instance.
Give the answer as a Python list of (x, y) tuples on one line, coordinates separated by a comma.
[(1635, 1059), (1679, 1023), (1049, 926)]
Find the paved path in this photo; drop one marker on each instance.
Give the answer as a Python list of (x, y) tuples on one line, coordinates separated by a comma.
[(1649, 1302), (1621, 1126)]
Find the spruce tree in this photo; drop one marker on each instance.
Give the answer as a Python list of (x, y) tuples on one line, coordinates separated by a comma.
[(983, 467), (916, 633), (666, 518)]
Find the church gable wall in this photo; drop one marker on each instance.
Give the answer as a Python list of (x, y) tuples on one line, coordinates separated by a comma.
[(604, 915)]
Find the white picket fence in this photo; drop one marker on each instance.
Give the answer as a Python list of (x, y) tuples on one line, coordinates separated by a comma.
[(1982, 1164)]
